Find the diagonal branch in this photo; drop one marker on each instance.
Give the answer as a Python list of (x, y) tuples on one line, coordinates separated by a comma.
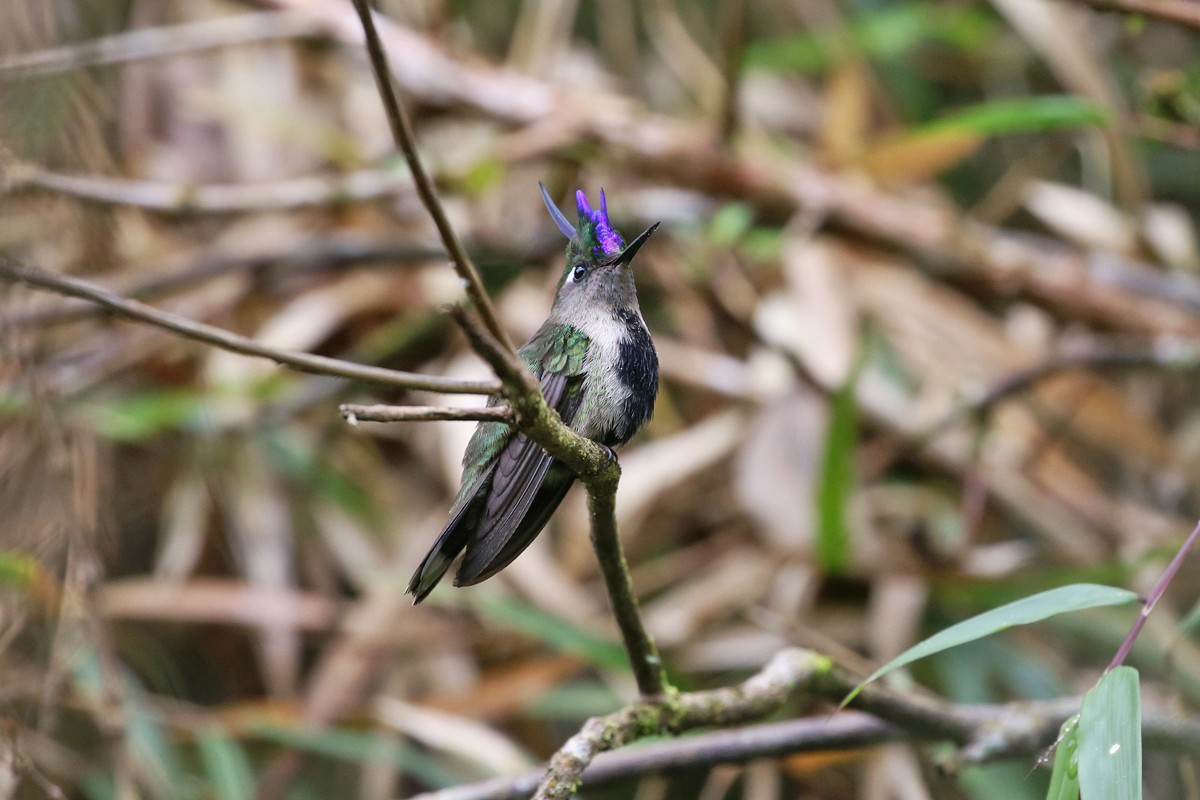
[(403, 135), (322, 254), (15, 272)]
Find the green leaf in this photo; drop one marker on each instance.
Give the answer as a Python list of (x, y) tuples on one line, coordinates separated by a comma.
[(357, 746), (483, 174), (1019, 115), (147, 414), (13, 404), (730, 223), (1191, 621), (297, 458), (836, 481), (18, 570), (1076, 597), (225, 762), (159, 761), (1064, 780), (574, 702), (561, 635), (883, 35), (763, 244), (1110, 738), (1000, 781)]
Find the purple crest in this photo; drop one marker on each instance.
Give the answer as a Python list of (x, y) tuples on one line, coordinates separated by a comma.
[(610, 241)]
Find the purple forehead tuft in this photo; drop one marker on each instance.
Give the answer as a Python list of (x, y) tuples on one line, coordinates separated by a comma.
[(610, 241)]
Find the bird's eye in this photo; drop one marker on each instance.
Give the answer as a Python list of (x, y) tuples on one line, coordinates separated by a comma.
[(578, 274)]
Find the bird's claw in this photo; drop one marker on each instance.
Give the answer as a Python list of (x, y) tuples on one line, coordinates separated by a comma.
[(612, 454)]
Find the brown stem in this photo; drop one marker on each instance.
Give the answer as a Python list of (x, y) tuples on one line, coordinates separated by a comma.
[(317, 255), (403, 135), (1160, 587), (643, 653)]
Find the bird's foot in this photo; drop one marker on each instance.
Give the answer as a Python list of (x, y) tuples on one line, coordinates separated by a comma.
[(612, 454)]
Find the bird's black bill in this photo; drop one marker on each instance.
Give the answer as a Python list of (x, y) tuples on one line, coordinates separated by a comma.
[(560, 219), (627, 254)]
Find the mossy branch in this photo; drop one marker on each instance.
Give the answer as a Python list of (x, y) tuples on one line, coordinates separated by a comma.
[(788, 672), (981, 732)]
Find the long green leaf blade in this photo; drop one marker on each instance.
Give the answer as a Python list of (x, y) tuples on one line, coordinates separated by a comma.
[(1021, 115), (226, 765), (560, 634), (1076, 597)]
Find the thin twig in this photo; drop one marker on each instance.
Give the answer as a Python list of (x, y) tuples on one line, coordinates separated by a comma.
[(403, 135), (354, 414), (13, 271), (512, 372), (1160, 588), (318, 255)]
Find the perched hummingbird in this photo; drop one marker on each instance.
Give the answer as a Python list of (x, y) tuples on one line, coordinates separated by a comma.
[(598, 370)]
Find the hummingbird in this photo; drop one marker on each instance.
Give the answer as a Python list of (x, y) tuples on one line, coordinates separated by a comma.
[(598, 369)]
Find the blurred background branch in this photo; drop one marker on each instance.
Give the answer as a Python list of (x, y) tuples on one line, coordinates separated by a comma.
[(13, 271), (1180, 11)]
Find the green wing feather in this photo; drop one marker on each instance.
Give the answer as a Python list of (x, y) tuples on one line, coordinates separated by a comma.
[(510, 486)]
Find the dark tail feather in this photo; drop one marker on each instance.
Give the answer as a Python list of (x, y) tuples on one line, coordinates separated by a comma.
[(481, 563), (447, 547)]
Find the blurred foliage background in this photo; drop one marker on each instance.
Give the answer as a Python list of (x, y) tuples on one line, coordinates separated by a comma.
[(874, 213)]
